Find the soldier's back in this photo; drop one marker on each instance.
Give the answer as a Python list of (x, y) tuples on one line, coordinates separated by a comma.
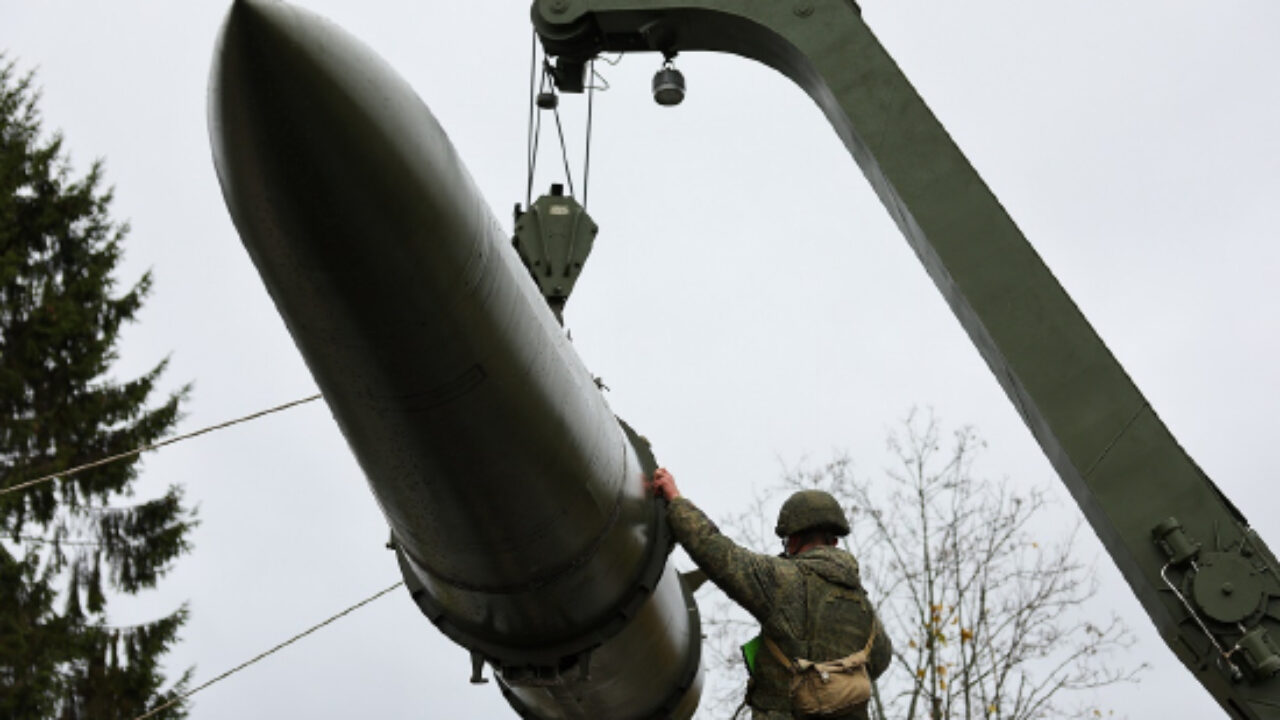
[(822, 613)]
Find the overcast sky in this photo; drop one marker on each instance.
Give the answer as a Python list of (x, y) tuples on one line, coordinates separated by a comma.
[(748, 302)]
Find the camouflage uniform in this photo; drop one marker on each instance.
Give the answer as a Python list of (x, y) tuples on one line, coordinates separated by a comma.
[(780, 592)]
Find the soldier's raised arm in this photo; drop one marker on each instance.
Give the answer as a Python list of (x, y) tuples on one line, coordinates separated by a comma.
[(748, 578)]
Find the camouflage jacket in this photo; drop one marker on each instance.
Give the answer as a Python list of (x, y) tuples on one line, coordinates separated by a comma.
[(813, 605)]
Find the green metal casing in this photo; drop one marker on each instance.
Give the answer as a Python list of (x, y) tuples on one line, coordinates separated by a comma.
[(1119, 461), (553, 238), (516, 500)]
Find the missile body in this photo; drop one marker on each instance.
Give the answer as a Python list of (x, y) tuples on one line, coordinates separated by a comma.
[(515, 498)]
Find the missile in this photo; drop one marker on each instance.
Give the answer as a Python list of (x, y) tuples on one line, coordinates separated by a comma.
[(515, 498)]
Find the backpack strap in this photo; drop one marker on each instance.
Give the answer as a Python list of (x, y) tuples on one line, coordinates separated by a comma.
[(855, 659), (872, 637), (788, 663)]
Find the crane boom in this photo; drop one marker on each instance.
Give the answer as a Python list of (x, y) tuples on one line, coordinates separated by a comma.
[(1206, 579)]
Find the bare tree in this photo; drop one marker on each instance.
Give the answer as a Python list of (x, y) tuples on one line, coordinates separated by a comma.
[(990, 619)]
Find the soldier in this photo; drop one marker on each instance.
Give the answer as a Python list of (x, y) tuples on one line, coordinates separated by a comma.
[(810, 601)]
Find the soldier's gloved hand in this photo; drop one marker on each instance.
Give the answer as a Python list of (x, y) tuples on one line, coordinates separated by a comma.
[(664, 485)]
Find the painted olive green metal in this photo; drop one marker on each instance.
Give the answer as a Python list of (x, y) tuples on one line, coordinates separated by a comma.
[(1152, 507), (515, 498), (553, 239)]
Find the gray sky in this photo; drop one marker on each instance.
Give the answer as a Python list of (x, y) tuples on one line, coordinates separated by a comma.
[(749, 302)]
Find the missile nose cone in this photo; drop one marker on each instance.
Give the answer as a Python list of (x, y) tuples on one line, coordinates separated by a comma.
[(268, 78), (246, 48), (315, 136), (252, 105)]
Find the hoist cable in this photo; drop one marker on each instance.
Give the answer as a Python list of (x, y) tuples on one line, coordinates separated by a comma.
[(537, 143), (270, 652), (138, 451), (534, 139), (528, 147), (586, 164), (564, 150)]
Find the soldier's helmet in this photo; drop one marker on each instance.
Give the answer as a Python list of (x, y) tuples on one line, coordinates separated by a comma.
[(811, 510)]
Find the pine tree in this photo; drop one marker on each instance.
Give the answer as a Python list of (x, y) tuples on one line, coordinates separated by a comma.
[(64, 546)]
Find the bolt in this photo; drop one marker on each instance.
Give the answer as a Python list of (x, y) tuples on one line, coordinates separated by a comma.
[(804, 9), (1228, 588), (559, 6)]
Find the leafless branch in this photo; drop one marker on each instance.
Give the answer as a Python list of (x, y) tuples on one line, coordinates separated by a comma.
[(989, 618)]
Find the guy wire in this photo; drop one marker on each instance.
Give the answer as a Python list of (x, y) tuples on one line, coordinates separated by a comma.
[(138, 451), (268, 653)]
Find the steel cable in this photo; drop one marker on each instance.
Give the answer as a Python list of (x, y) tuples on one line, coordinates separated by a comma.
[(138, 451), (268, 653)]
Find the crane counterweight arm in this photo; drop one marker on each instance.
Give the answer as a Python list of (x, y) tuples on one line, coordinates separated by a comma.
[(1205, 578)]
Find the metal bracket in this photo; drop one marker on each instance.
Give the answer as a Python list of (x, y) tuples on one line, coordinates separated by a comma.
[(553, 238), (1225, 590), (694, 579), (572, 670), (477, 670), (1258, 652)]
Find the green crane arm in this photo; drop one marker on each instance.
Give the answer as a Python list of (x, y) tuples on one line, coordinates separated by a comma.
[(1208, 582)]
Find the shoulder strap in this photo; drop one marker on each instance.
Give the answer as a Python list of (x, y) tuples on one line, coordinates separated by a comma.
[(853, 659), (860, 658), (787, 663)]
